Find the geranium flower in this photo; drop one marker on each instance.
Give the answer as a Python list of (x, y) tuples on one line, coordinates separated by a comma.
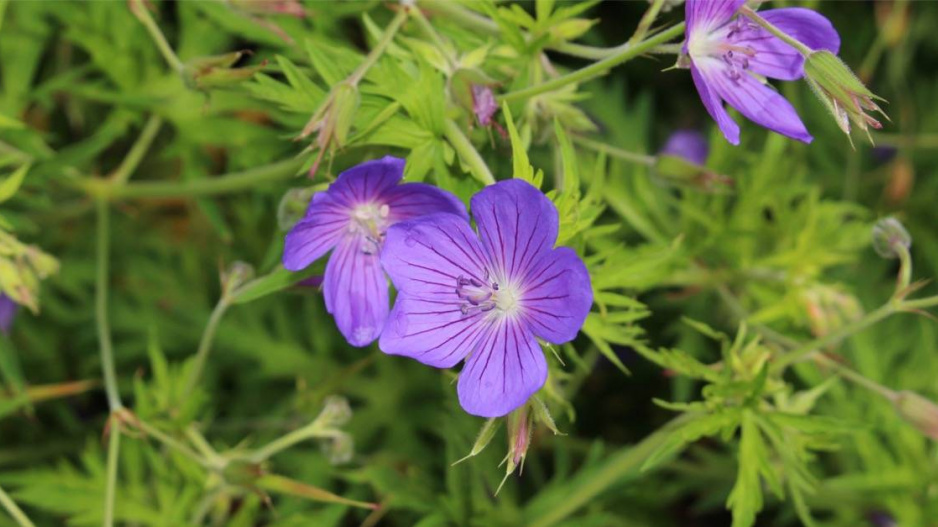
[(729, 56), (689, 145), (8, 309), (352, 216), (486, 298)]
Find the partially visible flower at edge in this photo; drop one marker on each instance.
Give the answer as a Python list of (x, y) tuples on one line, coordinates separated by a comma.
[(687, 144), (486, 297), (8, 309), (727, 56), (351, 217)]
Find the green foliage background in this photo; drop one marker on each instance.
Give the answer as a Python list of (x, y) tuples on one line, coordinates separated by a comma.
[(147, 182)]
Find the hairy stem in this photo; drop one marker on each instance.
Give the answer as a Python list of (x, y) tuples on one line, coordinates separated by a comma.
[(310, 431), (110, 491), (379, 48), (205, 345), (768, 26), (101, 309), (137, 151), (467, 153), (139, 9), (14, 511), (597, 69), (616, 152), (647, 20)]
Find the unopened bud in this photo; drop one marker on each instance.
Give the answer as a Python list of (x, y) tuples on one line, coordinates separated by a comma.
[(345, 104), (483, 104), (339, 449), (204, 73), (919, 412), (335, 412), (242, 473), (888, 236), (236, 275), (293, 206), (841, 92)]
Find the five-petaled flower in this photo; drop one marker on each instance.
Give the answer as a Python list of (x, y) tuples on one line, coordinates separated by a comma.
[(352, 216), (487, 297), (728, 57)]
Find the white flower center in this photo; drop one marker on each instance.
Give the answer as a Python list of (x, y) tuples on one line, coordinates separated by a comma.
[(370, 220)]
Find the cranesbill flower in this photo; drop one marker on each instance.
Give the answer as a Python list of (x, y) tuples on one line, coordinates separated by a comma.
[(487, 297), (351, 217), (8, 309), (690, 145), (728, 57)]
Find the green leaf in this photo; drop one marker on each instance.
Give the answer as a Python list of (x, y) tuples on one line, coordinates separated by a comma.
[(522, 168), (11, 184)]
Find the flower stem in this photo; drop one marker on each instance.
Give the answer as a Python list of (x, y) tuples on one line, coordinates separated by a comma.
[(905, 268), (110, 491), (768, 26), (137, 151), (647, 20), (205, 345), (467, 153), (101, 310), (855, 377), (13, 509), (234, 182), (597, 69), (175, 444), (299, 435), (139, 9), (834, 338), (625, 155), (379, 48)]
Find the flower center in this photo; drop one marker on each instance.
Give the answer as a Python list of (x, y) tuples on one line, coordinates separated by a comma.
[(370, 220), (486, 295), (724, 44)]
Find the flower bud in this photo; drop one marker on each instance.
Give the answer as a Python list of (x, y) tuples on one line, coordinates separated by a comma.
[(919, 412), (841, 92), (339, 448), (483, 104), (333, 120), (293, 206), (888, 235), (205, 73), (335, 412), (236, 275)]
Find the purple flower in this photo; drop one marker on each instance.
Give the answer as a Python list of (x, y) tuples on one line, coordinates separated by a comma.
[(487, 297), (483, 104), (727, 54), (690, 145), (8, 309), (352, 217)]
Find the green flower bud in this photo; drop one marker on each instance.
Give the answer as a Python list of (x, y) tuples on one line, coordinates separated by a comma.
[(888, 235), (205, 73), (345, 102), (841, 92), (236, 275), (336, 412), (339, 448), (293, 206), (919, 412)]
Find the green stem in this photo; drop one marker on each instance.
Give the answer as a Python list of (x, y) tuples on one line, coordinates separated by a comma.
[(597, 69), (137, 151), (622, 466), (205, 346), (101, 301), (175, 444), (752, 15), (473, 20), (228, 183), (642, 159), (13, 509), (834, 338), (855, 377), (647, 20), (428, 29), (110, 491), (379, 48), (299, 435), (905, 269), (139, 9), (923, 303), (467, 153)]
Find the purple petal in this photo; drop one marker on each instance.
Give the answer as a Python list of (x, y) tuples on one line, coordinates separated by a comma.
[(687, 144), (356, 291), (808, 27), (424, 257), (431, 329), (774, 58), (506, 367), (517, 225), (714, 107), (756, 101), (8, 309), (364, 183), (707, 15), (557, 296), (411, 200), (326, 221)]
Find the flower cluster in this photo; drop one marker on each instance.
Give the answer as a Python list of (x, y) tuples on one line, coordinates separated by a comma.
[(486, 296)]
